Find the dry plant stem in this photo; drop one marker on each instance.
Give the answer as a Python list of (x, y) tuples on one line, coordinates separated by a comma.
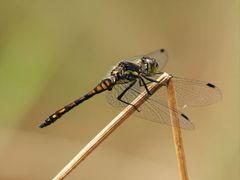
[(113, 125), (177, 136)]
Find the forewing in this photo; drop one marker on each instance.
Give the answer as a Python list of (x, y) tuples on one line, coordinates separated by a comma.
[(195, 93), (191, 92), (154, 109)]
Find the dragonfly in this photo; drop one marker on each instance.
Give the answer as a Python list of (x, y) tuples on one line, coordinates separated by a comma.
[(132, 76)]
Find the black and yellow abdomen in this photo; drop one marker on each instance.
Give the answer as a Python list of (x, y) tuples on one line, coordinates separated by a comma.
[(104, 85)]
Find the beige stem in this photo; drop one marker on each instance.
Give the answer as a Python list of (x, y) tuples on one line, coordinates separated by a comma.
[(177, 136), (112, 126)]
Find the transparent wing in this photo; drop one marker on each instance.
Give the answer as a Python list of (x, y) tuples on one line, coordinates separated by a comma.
[(191, 92), (188, 92), (157, 111), (154, 109), (160, 55), (195, 93), (117, 90)]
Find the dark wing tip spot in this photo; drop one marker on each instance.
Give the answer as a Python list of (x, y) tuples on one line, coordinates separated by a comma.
[(183, 115), (162, 50), (211, 85)]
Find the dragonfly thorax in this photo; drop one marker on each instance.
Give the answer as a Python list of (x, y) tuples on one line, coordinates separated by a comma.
[(126, 71)]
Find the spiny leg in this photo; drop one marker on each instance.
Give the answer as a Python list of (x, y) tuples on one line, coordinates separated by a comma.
[(145, 85), (141, 84), (124, 92), (150, 79)]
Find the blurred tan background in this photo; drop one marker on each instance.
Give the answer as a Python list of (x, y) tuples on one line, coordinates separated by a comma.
[(52, 52)]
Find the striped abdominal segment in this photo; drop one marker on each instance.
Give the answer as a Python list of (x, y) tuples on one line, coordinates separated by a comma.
[(104, 85)]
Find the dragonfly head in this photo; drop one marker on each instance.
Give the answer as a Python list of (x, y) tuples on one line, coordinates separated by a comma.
[(150, 65)]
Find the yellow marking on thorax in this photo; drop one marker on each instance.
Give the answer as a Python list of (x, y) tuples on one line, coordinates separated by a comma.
[(135, 73), (132, 72)]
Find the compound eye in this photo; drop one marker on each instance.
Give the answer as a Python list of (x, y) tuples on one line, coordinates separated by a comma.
[(144, 58)]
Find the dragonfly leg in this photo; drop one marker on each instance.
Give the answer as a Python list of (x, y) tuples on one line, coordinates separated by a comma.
[(145, 85), (141, 83), (124, 92), (150, 79)]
